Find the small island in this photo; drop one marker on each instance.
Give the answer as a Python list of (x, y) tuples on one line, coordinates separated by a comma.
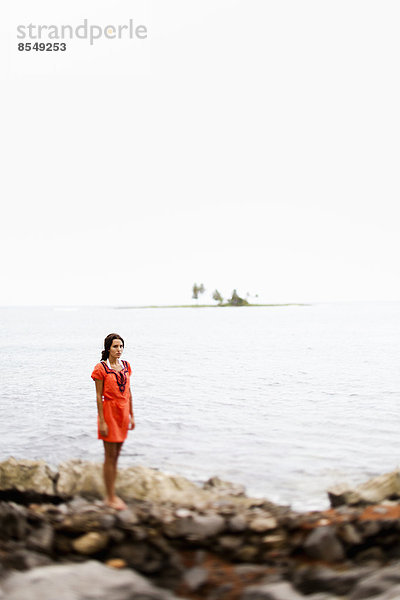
[(235, 300)]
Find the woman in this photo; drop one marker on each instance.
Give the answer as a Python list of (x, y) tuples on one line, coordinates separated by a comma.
[(114, 406)]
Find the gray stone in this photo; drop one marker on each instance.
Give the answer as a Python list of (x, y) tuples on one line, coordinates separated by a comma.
[(224, 487), (13, 522), (237, 523), (198, 527), (323, 544), (27, 476), (86, 581), (374, 491), (262, 524), (379, 582), (23, 559), (271, 591), (41, 539), (195, 578), (318, 578)]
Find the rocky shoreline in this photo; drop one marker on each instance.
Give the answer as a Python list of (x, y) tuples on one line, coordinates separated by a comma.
[(177, 539)]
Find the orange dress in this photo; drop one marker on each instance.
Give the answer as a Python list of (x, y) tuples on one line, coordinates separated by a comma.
[(116, 385)]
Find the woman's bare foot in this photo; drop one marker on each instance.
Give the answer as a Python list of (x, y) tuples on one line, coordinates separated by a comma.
[(116, 503)]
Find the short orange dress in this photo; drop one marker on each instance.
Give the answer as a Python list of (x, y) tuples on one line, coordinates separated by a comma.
[(115, 400)]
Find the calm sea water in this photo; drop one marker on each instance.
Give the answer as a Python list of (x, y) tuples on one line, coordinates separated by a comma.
[(285, 400)]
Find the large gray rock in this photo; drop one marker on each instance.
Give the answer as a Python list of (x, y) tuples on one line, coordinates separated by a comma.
[(86, 581), (271, 591), (380, 582), (77, 477), (27, 476), (196, 527), (80, 478), (373, 491), (323, 544)]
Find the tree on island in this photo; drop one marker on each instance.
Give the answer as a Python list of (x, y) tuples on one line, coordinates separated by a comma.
[(236, 300), (217, 297), (197, 289)]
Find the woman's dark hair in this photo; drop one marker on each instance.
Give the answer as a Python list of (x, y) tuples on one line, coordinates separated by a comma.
[(108, 343)]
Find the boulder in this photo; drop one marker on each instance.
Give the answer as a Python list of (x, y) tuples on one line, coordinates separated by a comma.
[(80, 478), (27, 476), (198, 527), (323, 544), (84, 581), (90, 543), (374, 491)]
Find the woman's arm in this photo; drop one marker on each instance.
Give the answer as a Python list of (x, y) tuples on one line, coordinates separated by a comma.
[(99, 397), (132, 418)]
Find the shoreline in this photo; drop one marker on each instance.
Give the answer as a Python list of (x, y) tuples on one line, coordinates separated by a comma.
[(182, 540), (213, 305)]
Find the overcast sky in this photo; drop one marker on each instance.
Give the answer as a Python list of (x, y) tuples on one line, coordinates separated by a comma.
[(247, 144)]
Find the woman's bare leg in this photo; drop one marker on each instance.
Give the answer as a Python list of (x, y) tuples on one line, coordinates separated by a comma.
[(111, 453)]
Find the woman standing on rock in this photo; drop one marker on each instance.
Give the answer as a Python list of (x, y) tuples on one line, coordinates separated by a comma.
[(114, 406)]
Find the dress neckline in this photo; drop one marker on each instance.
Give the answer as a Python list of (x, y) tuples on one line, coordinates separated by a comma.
[(111, 369)]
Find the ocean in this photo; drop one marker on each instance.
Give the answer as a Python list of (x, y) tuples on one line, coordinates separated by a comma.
[(285, 400)]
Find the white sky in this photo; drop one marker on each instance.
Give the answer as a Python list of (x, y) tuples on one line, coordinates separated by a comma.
[(246, 143)]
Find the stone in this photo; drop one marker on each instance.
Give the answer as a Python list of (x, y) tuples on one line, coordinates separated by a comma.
[(41, 539), (349, 534), (127, 518), (116, 563), (13, 521), (198, 527), (224, 487), (85, 581), (77, 477), (195, 578), (379, 582), (237, 523), (323, 544), (28, 476), (24, 559), (271, 591), (261, 524), (317, 578), (374, 491), (230, 542), (90, 543)]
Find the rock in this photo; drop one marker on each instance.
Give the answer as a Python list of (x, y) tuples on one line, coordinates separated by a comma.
[(195, 578), (246, 554), (41, 539), (198, 527), (316, 578), (87, 521), (116, 563), (77, 477), (224, 487), (140, 556), (81, 582), (90, 543), (261, 524), (230, 542), (13, 522), (379, 582), (271, 591), (373, 491), (237, 523), (392, 594), (33, 476), (349, 534), (127, 518), (23, 559), (323, 544), (143, 483)]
